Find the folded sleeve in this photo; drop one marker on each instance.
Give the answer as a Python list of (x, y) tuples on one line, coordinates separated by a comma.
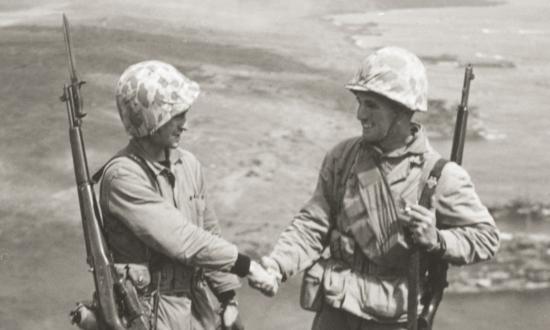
[(301, 243), (467, 227), (219, 282)]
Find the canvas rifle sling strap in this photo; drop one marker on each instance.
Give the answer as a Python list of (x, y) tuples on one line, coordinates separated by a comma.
[(156, 275), (431, 183), (414, 276)]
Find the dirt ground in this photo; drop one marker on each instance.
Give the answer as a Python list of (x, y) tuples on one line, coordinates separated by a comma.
[(273, 103)]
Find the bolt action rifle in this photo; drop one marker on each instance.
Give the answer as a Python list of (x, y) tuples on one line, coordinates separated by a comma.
[(437, 268), (116, 305)]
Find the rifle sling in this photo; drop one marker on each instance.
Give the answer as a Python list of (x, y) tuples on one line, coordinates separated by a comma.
[(425, 200)]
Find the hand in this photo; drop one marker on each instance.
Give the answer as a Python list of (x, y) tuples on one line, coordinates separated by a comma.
[(265, 281), (421, 223), (230, 316), (272, 267)]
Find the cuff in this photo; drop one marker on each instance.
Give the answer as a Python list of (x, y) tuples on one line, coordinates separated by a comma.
[(441, 246), (241, 266), (226, 296), (285, 265), (450, 241)]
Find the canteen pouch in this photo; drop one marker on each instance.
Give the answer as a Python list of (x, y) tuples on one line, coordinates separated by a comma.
[(311, 293), (138, 274)]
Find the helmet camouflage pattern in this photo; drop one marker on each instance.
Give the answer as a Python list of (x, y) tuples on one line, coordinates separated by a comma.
[(395, 73), (150, 93)]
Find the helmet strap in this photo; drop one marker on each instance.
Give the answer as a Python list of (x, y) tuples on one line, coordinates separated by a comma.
[(390, 132)]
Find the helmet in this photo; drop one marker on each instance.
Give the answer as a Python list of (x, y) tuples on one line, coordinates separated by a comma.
[(395, 73), (150, 93)]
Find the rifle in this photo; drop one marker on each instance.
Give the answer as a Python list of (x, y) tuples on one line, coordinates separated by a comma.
[(116, 305), (437, 268)]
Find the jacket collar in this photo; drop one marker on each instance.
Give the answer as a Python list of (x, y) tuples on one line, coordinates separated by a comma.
[(158, 167), (415, 149), (416, 145)]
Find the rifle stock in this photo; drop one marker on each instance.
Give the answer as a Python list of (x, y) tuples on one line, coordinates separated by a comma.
[(437, 269), (111, 293)]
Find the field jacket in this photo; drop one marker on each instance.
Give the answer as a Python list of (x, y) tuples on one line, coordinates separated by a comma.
[(356, 278), (166, 222)]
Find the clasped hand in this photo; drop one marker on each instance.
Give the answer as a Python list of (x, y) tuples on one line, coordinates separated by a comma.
[(266, 280)]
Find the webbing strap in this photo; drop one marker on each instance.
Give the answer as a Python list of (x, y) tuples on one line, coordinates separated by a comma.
[(137, 159), (415, 259), (429, 187), (151, 255)]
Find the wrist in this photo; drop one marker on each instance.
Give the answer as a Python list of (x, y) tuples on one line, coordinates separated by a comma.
[(226, 297), (241, 266), (440, 247), (272, 266), (232, 302)]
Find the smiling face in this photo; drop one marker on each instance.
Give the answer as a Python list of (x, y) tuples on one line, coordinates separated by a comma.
[(377, 116), (169, 134)]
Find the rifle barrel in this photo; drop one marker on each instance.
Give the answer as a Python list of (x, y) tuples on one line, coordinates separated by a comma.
[(459, 137), (98, 258), (437, 277)]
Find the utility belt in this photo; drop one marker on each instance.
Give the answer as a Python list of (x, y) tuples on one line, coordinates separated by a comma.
[(348, 280), (344, 248), (169, 279)]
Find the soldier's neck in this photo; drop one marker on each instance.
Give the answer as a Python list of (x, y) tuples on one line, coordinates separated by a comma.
[(399, 138), (153, 150)]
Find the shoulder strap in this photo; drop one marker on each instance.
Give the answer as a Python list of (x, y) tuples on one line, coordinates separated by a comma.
[(143, 164), (136, 158), (431, 182)]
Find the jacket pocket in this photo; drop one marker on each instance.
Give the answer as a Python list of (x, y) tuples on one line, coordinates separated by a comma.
[(335, 282), (382, 297), (311, 292)]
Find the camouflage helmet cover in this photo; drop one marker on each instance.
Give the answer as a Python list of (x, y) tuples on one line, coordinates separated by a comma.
[(150, 93), (395, 73)]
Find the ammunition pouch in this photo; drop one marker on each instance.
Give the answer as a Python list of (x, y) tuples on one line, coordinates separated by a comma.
[(311, 291), (138, 274), (177, 279)]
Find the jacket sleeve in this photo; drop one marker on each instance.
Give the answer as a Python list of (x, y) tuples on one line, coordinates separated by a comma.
[(303, 241), (468, 229), (219, 282), (131, 198)]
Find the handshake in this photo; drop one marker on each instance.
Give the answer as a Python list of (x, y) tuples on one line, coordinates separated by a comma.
[(266, 277)]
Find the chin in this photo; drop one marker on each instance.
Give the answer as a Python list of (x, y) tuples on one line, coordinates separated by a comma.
[(370, 137)]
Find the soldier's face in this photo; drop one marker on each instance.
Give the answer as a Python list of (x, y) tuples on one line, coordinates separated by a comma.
[(376, 115), (169, 135)]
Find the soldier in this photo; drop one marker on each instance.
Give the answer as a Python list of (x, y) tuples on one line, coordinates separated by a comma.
[(158, 217), (366, 200)]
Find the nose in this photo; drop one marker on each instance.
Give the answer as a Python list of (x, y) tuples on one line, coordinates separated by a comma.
[(181, 124), (363, 112), (184, 126)]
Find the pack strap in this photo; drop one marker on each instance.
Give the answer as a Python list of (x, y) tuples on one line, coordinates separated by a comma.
[(431, 183), (96, 178)]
